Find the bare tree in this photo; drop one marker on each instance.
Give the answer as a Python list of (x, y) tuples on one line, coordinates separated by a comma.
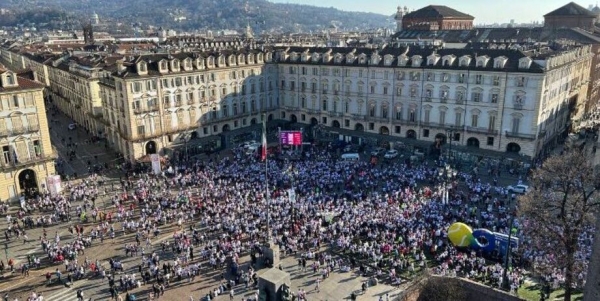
[(560, 206)]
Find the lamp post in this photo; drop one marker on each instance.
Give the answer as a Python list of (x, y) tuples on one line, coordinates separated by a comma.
[(184, 138), (505, 283), (450, 133), (446, 175)]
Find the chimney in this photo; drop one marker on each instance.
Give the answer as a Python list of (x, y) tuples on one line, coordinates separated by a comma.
[(120, 67)]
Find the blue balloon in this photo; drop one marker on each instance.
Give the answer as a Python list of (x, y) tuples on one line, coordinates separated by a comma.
[(484, 240)]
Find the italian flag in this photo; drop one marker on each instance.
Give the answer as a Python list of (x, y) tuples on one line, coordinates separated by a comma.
[(263, 153)]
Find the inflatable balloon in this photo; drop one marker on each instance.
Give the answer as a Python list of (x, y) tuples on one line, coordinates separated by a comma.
[(484, 240), (460, 234)]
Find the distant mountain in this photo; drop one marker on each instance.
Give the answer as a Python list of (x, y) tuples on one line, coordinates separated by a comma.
[(210, 14)]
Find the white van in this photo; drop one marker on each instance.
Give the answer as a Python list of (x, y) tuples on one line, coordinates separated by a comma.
[(350, 157)]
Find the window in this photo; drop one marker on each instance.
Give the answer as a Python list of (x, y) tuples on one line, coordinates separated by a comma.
[(384, 112), (442, 117), (496, 80), (458, 119), (478, 79), (412, 116), (476, 96), (6, 156), (426, 116), (460, 96), (372, 111), (315, 71), (397, 129), (444, 95), (347, 107), (398, 91), (428, 94), (37, 148), (521, 81), (461, 78), (474, 120), (430, 76), (386, 75), (516, 122), (398, 113), (385, 90), (372, 89), (426, 133), (413, 92), (136, 87), (490, 141), (347, 123), (15, 101), (141, 130), (400, 75), (494, 98), (445, 77), (492, 122), (371, 126), (10, 80), (415, 76), (324, 104)]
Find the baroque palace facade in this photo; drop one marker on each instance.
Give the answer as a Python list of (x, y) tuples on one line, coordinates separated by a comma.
[(27, 154), (501, 99)]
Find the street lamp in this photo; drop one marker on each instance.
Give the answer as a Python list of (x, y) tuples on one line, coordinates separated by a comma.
[(184, 138), (450, 133), (505, 283), (446, 175)]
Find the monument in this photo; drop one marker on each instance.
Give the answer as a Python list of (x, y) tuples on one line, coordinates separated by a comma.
[(273, 283)]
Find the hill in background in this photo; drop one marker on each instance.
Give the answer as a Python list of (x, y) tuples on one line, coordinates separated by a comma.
[(262, 15)]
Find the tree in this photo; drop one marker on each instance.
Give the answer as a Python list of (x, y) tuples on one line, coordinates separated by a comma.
[(561, 205)]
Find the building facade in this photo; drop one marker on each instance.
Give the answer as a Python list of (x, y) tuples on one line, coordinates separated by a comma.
[(27, 155), (154, 103), (434, 17), (571, 15), (496, 99)]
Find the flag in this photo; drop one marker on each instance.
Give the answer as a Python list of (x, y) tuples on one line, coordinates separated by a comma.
[(263, 152)]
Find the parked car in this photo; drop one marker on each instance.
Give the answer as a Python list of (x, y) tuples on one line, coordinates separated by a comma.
[(247, 144), (391, 154), (520, 188), (379, 151)]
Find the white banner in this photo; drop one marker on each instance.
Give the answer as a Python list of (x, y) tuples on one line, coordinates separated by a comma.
[(155, 163), (54, 185), (292, 195)]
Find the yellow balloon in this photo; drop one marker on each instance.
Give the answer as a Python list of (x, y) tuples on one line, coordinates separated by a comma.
[(460, 234)]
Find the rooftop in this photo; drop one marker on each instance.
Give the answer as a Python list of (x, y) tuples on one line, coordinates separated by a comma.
[(570, 9), (438, 11)]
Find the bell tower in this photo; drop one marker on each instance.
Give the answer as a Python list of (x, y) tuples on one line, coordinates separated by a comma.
[(400, 13)]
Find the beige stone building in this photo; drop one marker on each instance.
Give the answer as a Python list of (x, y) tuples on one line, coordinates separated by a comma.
[(27, 154), (155, 103), (505, 100)]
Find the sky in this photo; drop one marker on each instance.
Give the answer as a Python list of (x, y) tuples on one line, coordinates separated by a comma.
[(484, 11)]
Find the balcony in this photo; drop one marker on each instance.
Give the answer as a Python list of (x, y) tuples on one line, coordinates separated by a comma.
[(519, 135), (142, 110), (190, 102), (335, 114), (482, 130), (518, 106), (19, 131), (359, 117), (146, 136), (28, 161), (378, 119), (313, 111), (290, 108)]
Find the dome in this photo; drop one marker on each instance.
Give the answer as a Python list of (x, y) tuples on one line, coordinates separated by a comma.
[(596, 9)]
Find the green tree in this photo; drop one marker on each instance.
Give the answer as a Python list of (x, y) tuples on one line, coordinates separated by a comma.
[(561, 205)]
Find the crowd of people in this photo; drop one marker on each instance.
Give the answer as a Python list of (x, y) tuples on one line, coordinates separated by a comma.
[(388, 219)]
